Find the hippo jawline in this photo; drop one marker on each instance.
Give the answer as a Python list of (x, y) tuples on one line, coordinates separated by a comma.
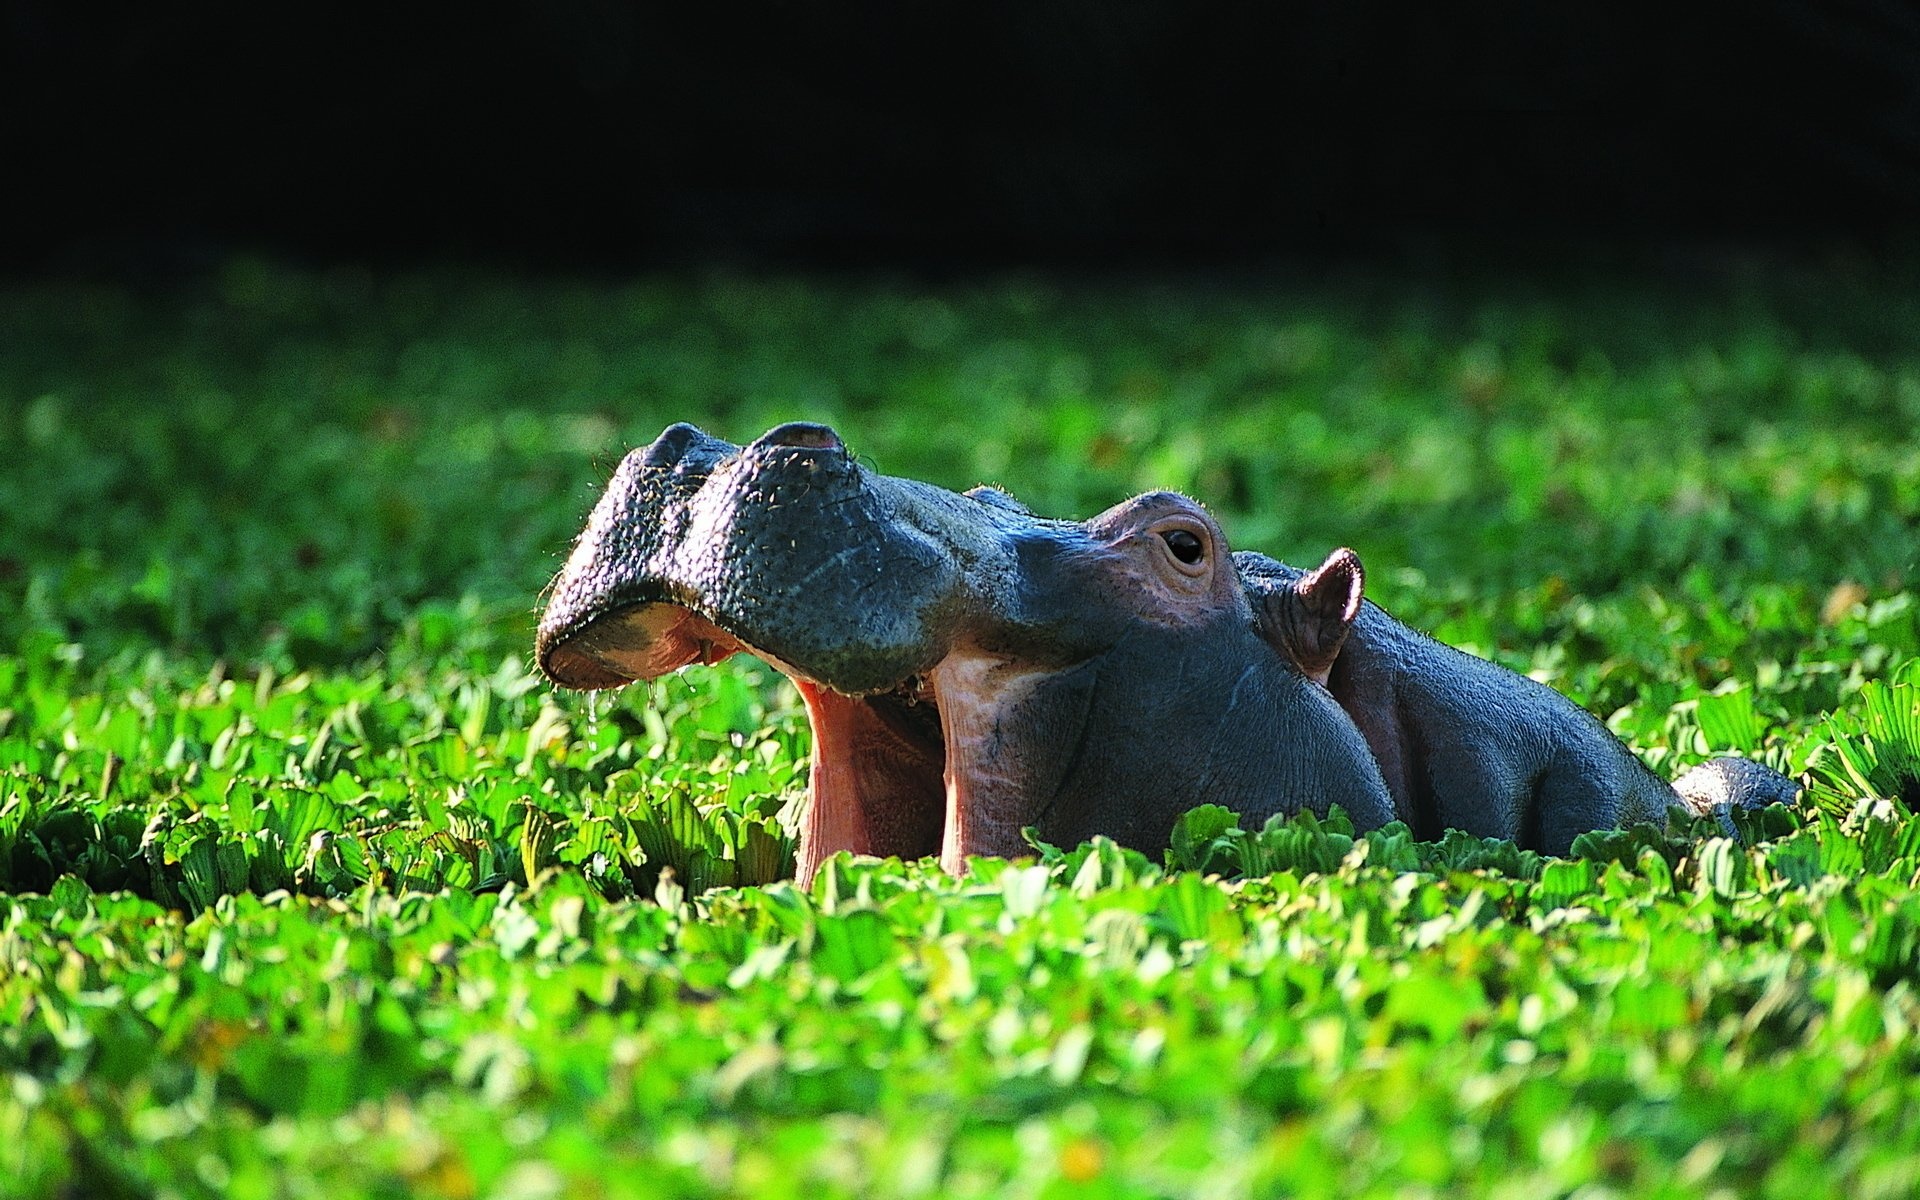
[(905, 770)]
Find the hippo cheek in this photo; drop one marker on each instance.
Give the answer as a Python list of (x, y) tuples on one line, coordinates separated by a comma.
[(1013, 735), (958, 763)]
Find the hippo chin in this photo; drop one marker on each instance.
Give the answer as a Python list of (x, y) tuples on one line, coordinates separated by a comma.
[(969, 669)]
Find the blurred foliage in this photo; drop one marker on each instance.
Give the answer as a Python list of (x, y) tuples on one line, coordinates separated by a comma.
[(287, 467), (309, 886)]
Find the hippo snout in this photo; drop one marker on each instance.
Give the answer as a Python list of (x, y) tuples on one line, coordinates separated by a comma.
[(784, 547)]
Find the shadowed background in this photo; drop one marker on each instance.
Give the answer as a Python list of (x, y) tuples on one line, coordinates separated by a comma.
[(590, 133)]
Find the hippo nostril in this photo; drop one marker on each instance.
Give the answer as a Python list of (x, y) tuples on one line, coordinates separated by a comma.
[(671, 446), (805, 435)]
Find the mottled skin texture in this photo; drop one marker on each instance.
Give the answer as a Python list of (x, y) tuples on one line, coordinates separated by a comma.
[(1467, 744), (969, 669)]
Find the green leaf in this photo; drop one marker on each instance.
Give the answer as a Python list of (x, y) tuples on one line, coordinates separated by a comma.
[(537, 837), (234, 871), (300, 813), (1188, 904), (1198, 842), (199, 878), (1565, 882), (765, 855), (1724, 868), (852, 943), (1728, 721), (71, 894)]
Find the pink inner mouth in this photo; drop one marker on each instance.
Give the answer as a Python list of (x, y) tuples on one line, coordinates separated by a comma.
[(876, 785), (644, 642)]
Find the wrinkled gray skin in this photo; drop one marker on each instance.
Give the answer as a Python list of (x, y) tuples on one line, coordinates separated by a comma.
[(969, 669), (1464, 743)]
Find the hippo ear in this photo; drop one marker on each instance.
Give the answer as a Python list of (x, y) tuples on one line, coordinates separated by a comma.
[(1308, 622)]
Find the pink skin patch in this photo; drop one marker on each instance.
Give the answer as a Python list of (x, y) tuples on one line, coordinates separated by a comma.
[(872, 789), (836, 809), (639, 644)]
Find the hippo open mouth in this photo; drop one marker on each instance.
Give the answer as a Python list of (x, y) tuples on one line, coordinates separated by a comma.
[(879, 780), (969, 669)]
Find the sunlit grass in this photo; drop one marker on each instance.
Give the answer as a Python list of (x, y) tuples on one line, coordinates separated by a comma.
[(314, 888)]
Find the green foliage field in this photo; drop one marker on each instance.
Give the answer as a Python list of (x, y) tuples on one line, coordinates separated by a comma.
[(309, 887)]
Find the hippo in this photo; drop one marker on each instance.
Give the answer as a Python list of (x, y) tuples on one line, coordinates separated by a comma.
[(971, 670)]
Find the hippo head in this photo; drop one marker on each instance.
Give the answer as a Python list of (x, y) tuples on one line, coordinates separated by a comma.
[(969, 669)]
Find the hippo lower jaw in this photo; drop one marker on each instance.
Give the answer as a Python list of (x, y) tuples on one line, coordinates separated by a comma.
[(923, 767)]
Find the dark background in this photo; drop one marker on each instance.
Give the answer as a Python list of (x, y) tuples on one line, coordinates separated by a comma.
[(582, 134)]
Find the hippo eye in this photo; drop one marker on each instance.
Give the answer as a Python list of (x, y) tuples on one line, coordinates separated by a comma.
[(1185, 545)]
